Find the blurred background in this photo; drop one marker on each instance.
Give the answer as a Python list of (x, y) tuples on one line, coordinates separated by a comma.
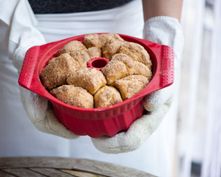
[(199, 116)]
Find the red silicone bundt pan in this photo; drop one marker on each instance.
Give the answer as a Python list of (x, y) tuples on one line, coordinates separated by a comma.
[(97, 122)]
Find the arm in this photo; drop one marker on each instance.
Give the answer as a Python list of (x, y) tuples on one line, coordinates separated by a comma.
[(161, 26), (153, 8), (19, 24)]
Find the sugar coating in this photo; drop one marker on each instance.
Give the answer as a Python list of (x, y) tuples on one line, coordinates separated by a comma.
[(92, 40), (107, 96), (87, 78), (82, 57), (94, 52), (73, 46), (134, 67), (130, 85), (57, 70), (104, 38), (123, 65), (128, 71), (75, 96), (135, 51), (114, 70)]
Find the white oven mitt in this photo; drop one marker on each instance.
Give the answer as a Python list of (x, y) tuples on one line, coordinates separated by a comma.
[(163, 30), (17, 16)]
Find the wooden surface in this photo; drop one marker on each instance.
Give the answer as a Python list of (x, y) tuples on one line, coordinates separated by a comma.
[(63, 167)]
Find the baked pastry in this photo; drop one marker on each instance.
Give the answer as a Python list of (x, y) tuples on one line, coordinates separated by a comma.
[(107, 96), (114, 70), (92, 40), (133, 67), (87, 78), (57, 70), (73, 46), (109, 43), (130, 85), (111, 47), (81, 56), (75, 96), (121, 66), (127, 72), (109, 37), (136, 52), (99, 40), (94, 52)]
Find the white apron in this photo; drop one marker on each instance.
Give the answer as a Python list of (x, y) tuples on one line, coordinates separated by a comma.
[(18, 137)]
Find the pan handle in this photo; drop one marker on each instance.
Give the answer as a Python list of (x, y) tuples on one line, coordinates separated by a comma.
[(166, 66), (163, 60), (28, 69), (29, 75)]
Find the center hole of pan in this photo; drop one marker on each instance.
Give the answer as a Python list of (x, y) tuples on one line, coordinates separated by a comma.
[(97, 62)]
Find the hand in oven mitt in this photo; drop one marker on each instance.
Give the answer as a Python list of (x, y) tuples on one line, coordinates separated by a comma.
[(163, 30), (20, 22)]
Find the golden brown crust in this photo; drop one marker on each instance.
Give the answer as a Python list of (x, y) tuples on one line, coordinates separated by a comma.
[(57, 70), (111, 47), (75, 96), (128, 70), (141, 69), (99, 40), (89, 79), (130, 85), (107, 96), (110, 36), (94, 52), (82, 57), (134, 67), (92, 40), (121, 66), (136, 52), (73, 46), (114, 70)]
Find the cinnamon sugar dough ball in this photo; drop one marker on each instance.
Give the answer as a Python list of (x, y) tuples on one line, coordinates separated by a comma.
[(130, 85), (114, 70), (81, 56), (136, 52), (87, 78), (109, 37), (121, 66), (111, 47), (94, 52), (75, 96), (57, 70), (109, 42), (107, 96), (99, 40), (73, 46), (133, 67), (92, 40)]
